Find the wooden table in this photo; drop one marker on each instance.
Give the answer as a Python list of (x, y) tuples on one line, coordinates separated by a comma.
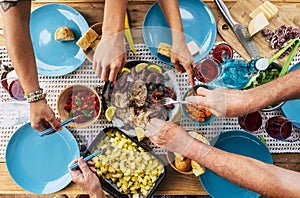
[(174, 183)]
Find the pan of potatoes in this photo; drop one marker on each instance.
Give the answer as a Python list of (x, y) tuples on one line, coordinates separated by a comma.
[(127, 168)]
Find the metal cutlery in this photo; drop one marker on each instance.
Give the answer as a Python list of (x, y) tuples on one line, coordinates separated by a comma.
[(240, 31), (75, 165), (166, 101)]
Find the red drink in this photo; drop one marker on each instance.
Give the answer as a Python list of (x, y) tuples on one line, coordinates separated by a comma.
[(16, 91), (279, 127), (251, 121), (207, 70)]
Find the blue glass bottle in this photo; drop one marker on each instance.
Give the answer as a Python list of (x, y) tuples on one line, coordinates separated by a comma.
[(236, 73)]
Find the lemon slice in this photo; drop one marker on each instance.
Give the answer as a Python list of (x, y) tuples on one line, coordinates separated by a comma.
[(125, 70), (109, 113), (139, 67), (139, 133), (155, 68)]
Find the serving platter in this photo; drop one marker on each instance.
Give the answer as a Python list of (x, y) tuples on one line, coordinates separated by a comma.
[(198, 23), (129, 114), (40, 164), (56, 58), (107, 139)]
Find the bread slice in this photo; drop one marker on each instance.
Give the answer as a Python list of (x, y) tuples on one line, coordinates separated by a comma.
[(64, 33), (164, 49), (94, 44), (85, 41), (196, 167)]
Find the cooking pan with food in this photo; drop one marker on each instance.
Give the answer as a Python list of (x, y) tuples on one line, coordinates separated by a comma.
[(127, 168)]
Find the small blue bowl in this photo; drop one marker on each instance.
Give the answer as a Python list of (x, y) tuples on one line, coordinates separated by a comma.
[(186, 114), (238, 142)]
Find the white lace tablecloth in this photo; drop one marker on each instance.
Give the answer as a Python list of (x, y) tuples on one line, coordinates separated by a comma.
[(85, 75)]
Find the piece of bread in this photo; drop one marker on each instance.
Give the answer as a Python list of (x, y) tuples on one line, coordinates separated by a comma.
[(94, 44), (64, 33), (196, 167), (85, 41), (164, 49)]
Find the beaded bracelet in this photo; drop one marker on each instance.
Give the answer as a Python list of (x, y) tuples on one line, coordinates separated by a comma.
[(35, 96)]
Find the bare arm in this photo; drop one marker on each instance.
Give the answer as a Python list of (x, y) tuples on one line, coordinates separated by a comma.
[(250, 173), (16, 18), (181, 57), (255, 175), (227, 102), (110, 55)]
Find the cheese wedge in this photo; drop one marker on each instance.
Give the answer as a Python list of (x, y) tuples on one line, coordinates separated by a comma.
[(267, 8), (257, 24)]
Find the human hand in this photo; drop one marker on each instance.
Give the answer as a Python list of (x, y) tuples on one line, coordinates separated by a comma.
[(42, 116), (181, 57), (110, 56), (168, 135), (222, 102), (86, 178)]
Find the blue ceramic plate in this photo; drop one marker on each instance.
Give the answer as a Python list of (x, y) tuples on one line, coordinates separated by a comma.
[(40, 164), (291, 108), (198, 23), (56, 58), (239, 142)]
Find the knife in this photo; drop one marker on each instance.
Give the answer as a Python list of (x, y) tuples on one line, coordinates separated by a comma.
[(128, 35), (240, 31)]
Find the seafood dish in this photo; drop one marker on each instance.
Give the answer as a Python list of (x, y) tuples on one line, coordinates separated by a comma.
[(137, 96)]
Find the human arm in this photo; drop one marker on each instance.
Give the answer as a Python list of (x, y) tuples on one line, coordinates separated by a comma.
[(181, 57), (228, 102), (86, 178), (266, 179), (17, 36), (110, 54)]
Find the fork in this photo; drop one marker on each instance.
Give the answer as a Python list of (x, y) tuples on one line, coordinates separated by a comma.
[(168, 100)]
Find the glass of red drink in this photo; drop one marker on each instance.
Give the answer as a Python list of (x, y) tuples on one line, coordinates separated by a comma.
[(12, 85), (250, 122), (207, 70), (279, 127)]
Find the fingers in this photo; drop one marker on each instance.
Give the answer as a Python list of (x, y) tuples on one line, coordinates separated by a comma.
[(54, 122), (202, 91), (84, 167), (153, 127)]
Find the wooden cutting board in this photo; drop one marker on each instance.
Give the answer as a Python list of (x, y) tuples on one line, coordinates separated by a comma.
[(288, 15)]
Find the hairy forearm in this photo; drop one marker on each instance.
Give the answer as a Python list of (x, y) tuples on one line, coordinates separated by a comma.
[(114, 17), (19, 46), (276, 91), (250, 173)]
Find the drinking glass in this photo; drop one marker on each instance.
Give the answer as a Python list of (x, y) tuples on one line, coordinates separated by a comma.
[(12, 85), (250, 122), (279, 127), (207, 70)]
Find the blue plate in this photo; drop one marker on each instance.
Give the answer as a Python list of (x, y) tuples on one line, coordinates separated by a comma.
[(239, 142), (291, 108), (198, 23), (40, 164), (56, 58)]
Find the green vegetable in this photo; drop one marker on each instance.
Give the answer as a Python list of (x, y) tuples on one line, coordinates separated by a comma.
[(72, 113), (78, 102), (86, 113)]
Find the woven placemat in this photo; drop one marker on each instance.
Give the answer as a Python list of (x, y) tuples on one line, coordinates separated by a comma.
[(85, 75)]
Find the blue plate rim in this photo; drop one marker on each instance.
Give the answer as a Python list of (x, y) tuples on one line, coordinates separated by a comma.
[(54, 73), (206, 52), (246, 135), (65, 133)]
